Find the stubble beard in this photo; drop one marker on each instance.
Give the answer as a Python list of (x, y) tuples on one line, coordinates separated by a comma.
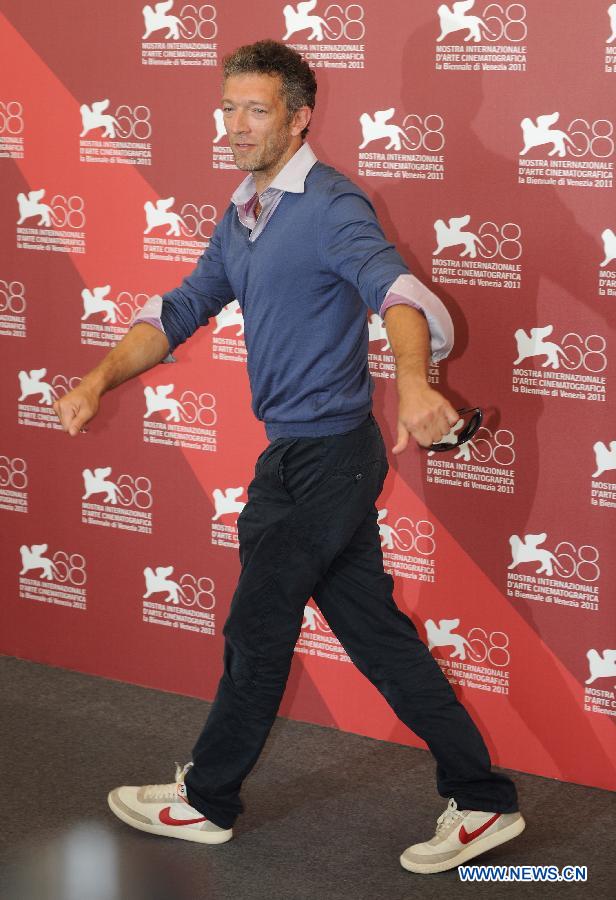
[(267, 156)]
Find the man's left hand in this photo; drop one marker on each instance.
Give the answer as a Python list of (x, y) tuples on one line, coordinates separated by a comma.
[(425, 415)]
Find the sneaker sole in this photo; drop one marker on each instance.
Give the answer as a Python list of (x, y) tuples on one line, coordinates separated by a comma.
[(499, 837), (200, 837)]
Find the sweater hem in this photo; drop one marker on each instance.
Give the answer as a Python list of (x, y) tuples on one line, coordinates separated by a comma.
[(317, 427)]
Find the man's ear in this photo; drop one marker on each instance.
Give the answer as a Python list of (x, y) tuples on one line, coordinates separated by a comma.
[(300, 120)]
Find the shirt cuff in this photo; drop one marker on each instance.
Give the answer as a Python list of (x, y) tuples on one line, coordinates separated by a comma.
[(409, 290), (150, 313)]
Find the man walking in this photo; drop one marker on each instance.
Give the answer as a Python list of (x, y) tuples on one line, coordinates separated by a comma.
[(301, 249)]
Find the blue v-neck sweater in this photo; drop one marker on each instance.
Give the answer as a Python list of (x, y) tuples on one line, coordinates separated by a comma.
[(303, 287)]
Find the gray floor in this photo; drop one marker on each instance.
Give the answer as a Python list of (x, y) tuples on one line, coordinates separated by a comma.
[(327, 814)]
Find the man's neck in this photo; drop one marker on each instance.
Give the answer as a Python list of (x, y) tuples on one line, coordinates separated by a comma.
[(264, 177)]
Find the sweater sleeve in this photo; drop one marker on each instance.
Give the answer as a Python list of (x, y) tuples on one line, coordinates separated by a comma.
[(408, 289), (201, 295), (352, 245)]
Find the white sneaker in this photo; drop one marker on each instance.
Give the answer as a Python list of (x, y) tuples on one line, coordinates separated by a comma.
[(461, 835), (164, 809)]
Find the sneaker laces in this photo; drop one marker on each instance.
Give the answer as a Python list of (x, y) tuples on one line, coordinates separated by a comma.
[(180, 771), (159, 792), (167, 791), (452, 814)]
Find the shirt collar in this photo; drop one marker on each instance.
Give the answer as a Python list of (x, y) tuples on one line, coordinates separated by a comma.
[(291, 177)]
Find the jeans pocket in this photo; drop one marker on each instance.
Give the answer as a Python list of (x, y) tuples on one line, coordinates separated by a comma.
[(280, 468), (352, 460), (358, 471), (300, 470), (261, 459), (269, 453)]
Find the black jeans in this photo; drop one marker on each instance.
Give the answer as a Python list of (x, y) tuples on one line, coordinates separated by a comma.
[(310, 528)]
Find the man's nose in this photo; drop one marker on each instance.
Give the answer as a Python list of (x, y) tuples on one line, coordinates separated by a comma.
[(239, 121)]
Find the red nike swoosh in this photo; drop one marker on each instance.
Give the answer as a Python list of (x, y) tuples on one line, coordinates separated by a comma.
[(166, 818), (466, 837)]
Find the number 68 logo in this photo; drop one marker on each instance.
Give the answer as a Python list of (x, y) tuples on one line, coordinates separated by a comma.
[(68, 212), (134, 122), (487, 446), (492, 648), (344, 22), (12, 297), (198, 22), (505, 22), (594, 138), (13, 473), (406, 535), (69, 568), (11, 117)]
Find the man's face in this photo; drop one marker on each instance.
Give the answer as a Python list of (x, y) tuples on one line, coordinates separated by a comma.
[(257, 122)]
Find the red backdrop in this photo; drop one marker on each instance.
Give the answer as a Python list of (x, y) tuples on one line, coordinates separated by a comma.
[(485, 138)]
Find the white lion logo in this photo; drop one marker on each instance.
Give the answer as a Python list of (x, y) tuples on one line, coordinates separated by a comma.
[(157, 581), (605, 459), (157, 18), (230, 316), (219, 122), (31, 383), (451, 235), (95, 482), (611, 11), (158, 215), (609, 246), (158, 400), (533, 345), (455, 19), (32, 558), (227, 502), (536, 134), (31, 206), (443, 636), (601, 666), (95, 117), (299, 20), (374, 129), (95, 302), (527, 551)]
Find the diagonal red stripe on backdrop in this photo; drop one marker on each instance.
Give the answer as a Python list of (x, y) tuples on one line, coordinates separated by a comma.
[(556, 738), (533, 728), (114, 195)]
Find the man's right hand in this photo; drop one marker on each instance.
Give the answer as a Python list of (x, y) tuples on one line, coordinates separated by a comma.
[(142, 347), (77, 407)]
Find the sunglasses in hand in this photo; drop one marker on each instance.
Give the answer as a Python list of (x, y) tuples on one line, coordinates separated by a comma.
[(469, 428)]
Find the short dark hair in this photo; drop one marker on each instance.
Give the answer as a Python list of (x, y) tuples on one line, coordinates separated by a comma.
[(299, 85)]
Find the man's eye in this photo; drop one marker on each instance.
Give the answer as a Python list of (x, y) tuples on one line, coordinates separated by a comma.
[(227, 109), (258, 110)]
